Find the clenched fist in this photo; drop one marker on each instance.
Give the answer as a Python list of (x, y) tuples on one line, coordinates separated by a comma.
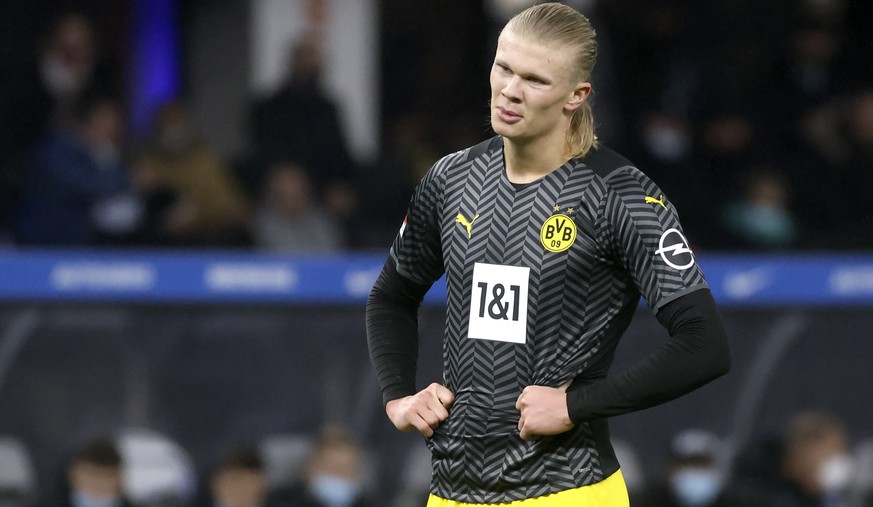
[(423, 411), (543, 411)]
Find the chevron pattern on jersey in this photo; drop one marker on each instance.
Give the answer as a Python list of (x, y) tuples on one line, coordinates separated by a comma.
[(579, 302)]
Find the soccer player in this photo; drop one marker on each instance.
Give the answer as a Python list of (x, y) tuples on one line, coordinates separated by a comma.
[(547, 240)]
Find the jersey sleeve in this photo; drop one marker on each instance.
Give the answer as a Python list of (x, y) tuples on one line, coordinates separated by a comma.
[(641, 230), (417, 249)]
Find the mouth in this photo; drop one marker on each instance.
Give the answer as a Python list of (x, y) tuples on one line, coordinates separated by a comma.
[(507, 115)]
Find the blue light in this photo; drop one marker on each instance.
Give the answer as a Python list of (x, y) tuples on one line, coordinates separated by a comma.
[(155, 55)]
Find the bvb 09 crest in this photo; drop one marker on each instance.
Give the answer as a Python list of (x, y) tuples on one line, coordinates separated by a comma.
[(558, 233)]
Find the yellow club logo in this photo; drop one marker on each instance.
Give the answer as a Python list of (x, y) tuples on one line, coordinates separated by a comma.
[(558, 233)]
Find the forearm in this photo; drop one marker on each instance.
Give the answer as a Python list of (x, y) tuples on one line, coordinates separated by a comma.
[(392, 331), (696, 353)]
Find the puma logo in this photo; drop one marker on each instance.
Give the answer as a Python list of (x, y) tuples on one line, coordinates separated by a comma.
[(468, 224), (652, 200)]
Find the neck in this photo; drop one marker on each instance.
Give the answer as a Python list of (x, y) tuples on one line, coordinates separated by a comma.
[(529, 161)]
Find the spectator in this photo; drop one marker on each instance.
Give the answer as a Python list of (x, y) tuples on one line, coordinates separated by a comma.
[(94, 477), (664, 145), (67, 63), (693, 477), (239, 480), (817, 467), (300, 122), (837, 143), (729, 141), (209, 208), (811, 70), (805, 90), (41, 89), (333, 475), (761, 218), (290, 219), (76, 189)]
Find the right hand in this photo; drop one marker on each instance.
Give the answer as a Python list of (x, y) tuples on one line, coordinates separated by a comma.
[(423, 411)]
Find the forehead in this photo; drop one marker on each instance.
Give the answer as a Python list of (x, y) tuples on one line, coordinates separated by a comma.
[(526, 54)]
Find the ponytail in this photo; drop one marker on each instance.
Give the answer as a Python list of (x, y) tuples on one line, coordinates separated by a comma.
[(580, 136)]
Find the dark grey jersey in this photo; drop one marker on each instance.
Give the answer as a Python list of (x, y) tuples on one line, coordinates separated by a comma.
[(542, 281)]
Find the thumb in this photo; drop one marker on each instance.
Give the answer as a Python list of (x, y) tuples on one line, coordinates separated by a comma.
[(445, 396)]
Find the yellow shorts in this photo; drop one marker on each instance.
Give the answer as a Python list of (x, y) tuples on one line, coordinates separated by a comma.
[(610, 492)]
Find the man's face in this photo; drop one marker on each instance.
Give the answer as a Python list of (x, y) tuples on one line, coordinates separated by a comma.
[(74, 45), (533, 89), (334, 475), (338, 461), (239, 488), (95, 481), (805, 461), (290, 191)]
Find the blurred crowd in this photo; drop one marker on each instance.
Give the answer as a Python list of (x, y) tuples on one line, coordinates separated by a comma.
[(148, 470), (813, 463), (756, 120), (74, 176)]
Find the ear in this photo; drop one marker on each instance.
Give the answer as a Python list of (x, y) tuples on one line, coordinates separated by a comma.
[(578, 96)]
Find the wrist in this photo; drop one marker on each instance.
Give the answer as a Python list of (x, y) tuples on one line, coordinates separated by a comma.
[(391, 406), (391, 403), (576, 406), (394, 393)]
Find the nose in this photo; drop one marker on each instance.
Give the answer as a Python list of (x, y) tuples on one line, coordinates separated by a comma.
[(512, 90)]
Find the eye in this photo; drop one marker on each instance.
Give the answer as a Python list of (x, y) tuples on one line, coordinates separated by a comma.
[(503, 68)]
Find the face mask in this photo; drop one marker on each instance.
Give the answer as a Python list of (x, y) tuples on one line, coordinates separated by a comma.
[(666, 143), (764, 225), (696, 487), (835, 473), (85, 500), (58, 78), (334, 491)]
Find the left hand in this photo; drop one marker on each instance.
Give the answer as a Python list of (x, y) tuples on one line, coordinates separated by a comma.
[(543, 411)]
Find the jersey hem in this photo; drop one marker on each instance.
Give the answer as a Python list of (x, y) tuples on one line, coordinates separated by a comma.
[(507, 499)]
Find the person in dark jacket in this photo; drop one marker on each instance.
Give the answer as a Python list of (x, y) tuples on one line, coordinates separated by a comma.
[(333, 475)]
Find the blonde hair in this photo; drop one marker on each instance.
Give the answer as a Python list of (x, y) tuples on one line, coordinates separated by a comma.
[(557, 24)]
